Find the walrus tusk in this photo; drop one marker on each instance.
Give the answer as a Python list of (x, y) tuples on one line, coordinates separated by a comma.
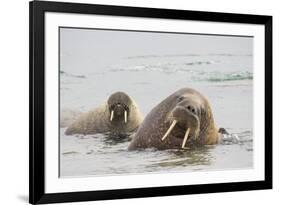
[(111, 115), (169, 130), (125, 116), (185, 138)]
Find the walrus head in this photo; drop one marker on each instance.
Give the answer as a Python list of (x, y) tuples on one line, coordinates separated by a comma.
[(188, 117), (119, 105)]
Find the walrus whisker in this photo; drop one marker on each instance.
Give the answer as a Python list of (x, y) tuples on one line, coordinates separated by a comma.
[(169, 130), (125, 116), (185, 138), (111, 115)]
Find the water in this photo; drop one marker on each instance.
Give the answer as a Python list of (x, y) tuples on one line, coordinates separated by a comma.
[(99, 155), (223, 75)]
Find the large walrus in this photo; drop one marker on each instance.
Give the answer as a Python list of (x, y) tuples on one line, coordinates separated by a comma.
[(182, 119), (120, 115)]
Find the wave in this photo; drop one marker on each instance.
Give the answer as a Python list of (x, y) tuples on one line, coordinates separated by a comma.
[(237, 138), (201, 63), (198, 74), (231, 76), (229, 54), (187, 55), (71, 75), (162, 56), (164, 67)]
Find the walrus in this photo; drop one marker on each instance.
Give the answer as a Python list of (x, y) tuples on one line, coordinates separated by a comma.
[(120, 115), (68, 116), (182, 119)]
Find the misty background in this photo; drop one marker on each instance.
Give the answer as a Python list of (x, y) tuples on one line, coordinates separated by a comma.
[(149, 67)]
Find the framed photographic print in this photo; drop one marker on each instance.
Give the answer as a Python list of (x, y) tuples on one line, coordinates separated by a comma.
[(140, 102)]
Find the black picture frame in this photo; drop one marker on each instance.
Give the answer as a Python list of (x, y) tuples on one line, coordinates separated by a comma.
[(37, 9)]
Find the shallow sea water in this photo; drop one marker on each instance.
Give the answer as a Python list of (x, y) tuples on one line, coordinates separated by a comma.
[(225, 78)]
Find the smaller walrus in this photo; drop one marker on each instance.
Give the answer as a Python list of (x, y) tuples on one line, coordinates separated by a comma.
[(68, 116), (120, 115), (182, 119)]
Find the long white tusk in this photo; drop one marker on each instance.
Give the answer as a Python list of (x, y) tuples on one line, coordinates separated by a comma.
[(169, 130), (125, 116), (185, 138), (111, 115)]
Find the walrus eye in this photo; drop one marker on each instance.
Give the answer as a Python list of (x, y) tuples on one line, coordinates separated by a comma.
[(180, 98)]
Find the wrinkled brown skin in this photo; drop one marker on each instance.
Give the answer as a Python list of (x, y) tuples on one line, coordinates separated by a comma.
[(158, 121), (98, 119)]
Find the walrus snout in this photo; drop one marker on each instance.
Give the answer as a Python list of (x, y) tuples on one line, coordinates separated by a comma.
[(184, 123), (119, 110), (186, 118), (184, 115)]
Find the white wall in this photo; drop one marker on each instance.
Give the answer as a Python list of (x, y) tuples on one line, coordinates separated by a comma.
[(14, 99)]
